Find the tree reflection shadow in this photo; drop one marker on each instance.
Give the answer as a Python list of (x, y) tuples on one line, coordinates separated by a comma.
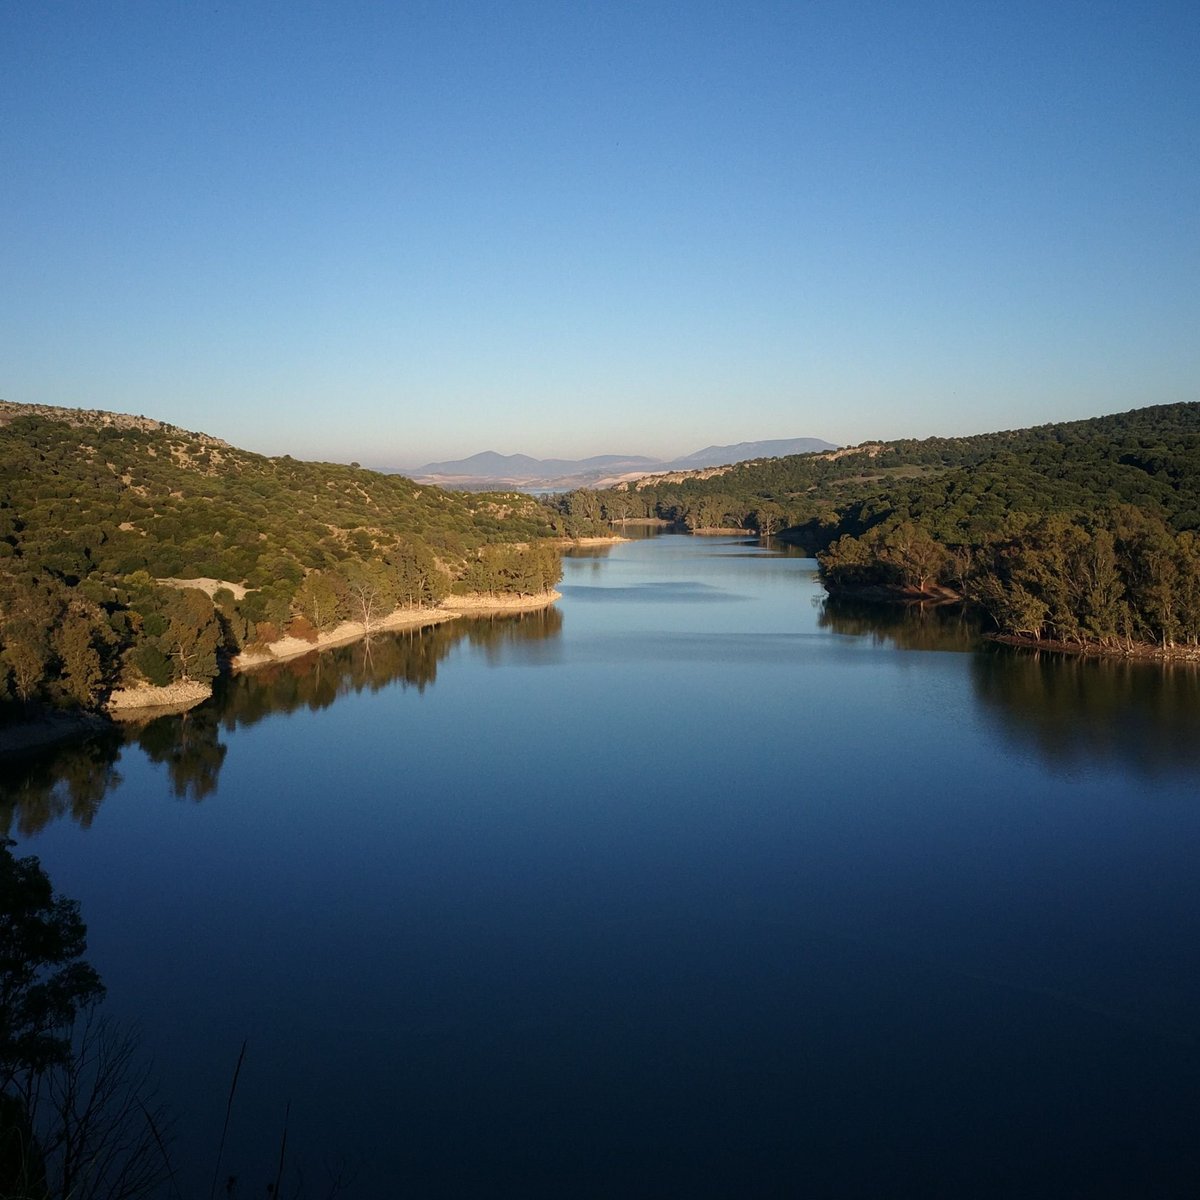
[(1066, 710), (72, 782), (1086, 711), (190, 746), (906, 626), (67, 783)]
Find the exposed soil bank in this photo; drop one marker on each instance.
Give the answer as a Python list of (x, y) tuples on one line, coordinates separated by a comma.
[(347, 632), (175, 697), (1133, 652), (340, 635), (481, 603)]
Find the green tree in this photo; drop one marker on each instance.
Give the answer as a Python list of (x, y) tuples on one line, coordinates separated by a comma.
[(82, 668), (43, 980), (372, 592), (320, 600), (192, 636)]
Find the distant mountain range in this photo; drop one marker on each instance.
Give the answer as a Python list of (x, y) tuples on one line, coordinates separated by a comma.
[(489, 470)]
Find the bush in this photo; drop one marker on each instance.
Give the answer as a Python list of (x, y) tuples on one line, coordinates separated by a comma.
[(153, 664), (303, 628)]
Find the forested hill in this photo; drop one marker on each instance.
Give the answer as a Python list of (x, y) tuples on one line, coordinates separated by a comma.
[(1150, 456), (1081, 532), (95, 507)]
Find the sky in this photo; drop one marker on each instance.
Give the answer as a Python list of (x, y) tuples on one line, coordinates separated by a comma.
[(405, 232)]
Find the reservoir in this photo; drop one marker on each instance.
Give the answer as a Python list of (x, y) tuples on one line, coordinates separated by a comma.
[(698, 884)]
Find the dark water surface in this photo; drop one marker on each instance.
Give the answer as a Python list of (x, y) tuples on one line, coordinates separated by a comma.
[(698, 885)]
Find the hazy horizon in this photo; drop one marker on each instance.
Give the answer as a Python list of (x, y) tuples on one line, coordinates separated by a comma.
[(408, 235)]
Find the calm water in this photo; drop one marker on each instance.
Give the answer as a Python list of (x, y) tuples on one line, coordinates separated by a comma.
[(696, 885)]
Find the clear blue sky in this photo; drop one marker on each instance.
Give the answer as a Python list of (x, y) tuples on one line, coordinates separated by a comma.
[(397, 232)]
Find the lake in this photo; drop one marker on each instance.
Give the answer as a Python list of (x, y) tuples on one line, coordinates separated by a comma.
[(698, 884)]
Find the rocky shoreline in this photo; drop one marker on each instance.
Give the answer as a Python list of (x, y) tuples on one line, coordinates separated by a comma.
[(1131, 652)]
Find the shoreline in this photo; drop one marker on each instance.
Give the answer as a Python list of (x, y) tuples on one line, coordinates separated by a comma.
[(144, 702), (483, 604), (1136, 652), (879, 593), (344, 634), (134, 703), (348, 632), (607, 539), (1148, 652)]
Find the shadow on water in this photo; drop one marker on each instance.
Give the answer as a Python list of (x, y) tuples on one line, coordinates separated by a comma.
[(1068, 711), (1087, 712), (71, 783), (904, 626)]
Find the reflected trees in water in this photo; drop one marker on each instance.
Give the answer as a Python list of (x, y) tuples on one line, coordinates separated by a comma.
[(916, 626), (1071, 710), (67, 783), (71, 783), (1066, 709)]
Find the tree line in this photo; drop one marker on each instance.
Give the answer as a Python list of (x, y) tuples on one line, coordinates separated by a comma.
[(957, 487), (1114, 579)]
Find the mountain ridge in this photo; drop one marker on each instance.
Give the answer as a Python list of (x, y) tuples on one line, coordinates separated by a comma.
[(490, 469)]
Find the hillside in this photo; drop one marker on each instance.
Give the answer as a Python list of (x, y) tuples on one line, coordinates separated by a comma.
[(1148, 456), (1081, 534), (96, 507)]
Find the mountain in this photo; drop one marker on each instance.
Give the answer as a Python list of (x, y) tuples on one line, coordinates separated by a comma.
[(489, 469), (721, 456)]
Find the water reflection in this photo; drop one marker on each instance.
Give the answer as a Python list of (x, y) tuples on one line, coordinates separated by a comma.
[(905, 626), (1068, 711), (1075, 711), (530, 638), (189, 745), (71, 783)]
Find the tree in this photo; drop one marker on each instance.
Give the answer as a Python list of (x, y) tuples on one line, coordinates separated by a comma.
[(81, 664), (75, 1115), (419, 579), (193, 634), (371, 591), (24, 656), (917, 556), (319, 599), (43, 980)]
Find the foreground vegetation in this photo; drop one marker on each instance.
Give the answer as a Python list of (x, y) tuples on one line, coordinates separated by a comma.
[(1083, 534), (97, 509)]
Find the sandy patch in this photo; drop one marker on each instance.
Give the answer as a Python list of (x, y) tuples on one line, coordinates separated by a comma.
[(177, 697), (210, 586), (341, 635), (481, 602)]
